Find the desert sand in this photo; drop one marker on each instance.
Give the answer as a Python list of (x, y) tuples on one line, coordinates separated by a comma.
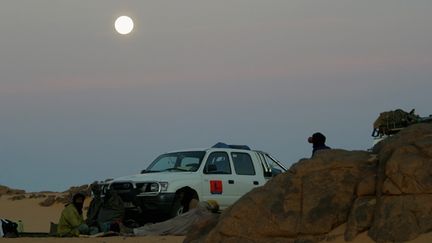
[(37, 219), (142, 239)]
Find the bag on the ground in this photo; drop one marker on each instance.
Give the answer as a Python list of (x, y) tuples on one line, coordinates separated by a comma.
[(53, 229), (8, 229)]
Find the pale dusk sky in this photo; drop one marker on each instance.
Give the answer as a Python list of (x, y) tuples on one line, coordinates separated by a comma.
[(79, 102)]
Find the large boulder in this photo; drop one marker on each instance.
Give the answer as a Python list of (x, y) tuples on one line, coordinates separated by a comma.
[(361, 216), (402, 218), (386, 192), (202, 228), (309, 200), (408, 168), (404, 201)]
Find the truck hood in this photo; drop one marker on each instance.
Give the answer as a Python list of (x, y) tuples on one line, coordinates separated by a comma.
[(155, 176)]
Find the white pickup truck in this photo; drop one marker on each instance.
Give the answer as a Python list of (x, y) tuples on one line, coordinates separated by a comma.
[(222, 173)]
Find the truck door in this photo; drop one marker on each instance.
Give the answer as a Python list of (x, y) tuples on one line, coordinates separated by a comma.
[(219, 182), (247, 176)]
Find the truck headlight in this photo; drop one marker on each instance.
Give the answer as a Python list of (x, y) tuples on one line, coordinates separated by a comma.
[(164, 186), (154, 187), (158, 186)]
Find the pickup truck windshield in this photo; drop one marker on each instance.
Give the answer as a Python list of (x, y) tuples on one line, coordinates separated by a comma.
[(179, 161)]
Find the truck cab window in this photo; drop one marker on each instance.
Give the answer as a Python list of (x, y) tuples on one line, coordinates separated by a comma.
[(243, 164), (218, 163)]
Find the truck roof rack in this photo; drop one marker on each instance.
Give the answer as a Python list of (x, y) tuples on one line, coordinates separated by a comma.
[(231, 146)]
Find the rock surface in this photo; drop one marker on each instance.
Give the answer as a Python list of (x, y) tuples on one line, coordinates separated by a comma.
[(50, 200), (64, 197), (404, 186), (18, 197), (387, 192)]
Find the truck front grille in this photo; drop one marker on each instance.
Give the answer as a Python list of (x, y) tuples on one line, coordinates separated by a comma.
[(122, 186)]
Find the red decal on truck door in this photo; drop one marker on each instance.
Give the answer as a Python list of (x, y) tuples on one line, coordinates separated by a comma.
[(216, 187)]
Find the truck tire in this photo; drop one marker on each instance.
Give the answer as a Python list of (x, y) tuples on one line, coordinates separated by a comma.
[(182, 201), (177, 208)]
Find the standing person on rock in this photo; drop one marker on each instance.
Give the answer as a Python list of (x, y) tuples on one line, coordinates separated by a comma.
[(318, 142), (71, 223)]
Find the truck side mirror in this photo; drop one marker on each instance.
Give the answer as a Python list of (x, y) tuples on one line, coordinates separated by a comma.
[(143, 171)]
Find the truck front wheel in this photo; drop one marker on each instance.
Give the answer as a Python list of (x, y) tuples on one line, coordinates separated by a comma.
[(182, 200), (177, 208)]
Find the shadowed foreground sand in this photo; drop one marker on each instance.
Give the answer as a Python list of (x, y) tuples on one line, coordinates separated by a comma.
[(37, 219), (143, 239), (34, 217)]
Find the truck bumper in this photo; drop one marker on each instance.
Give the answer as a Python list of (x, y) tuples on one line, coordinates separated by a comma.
[(146, 209), (162, 202)]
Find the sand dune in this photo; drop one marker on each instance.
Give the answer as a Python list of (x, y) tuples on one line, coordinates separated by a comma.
[(34, 217)]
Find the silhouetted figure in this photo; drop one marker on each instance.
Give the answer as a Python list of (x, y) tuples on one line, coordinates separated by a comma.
[(105, 213), (318, 142), (111, 213), (94, 208)]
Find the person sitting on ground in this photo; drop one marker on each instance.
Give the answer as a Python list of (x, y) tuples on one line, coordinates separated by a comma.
[(318, 142), (94, 208), (71, 223), (111, 213)]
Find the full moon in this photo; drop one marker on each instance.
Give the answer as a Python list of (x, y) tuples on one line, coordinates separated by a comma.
[(124, 25)]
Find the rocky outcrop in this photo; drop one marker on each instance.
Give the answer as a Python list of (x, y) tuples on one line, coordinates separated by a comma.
[(63, 198), (308, 201), (17, 197), (202, 228), (37, 195), (386, 192), (404, 189), (84, 189), (66, 196), (49, 201), (4, 190)]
